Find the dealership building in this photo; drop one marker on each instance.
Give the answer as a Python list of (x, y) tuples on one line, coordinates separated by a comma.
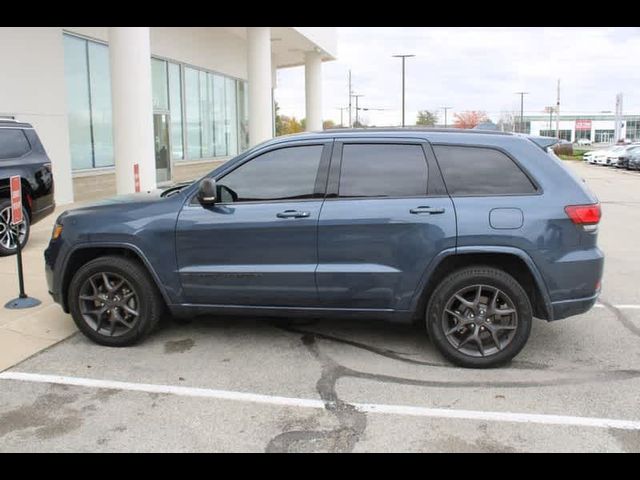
[(597, 127), (168, 102)]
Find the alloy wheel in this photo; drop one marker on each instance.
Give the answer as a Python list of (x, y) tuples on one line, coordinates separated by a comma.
[(479, 320), (109, 304), (8, 232)]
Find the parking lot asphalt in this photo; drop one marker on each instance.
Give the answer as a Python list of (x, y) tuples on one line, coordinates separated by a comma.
[(225, 384)]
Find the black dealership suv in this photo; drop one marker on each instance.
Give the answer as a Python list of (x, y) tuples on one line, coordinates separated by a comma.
[(22, 153)]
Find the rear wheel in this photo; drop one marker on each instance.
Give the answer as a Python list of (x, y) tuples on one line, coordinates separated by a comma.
[(114, 302), (479, 317), (9, 233)]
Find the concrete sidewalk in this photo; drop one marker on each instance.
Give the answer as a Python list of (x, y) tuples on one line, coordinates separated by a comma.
[(26, 332)]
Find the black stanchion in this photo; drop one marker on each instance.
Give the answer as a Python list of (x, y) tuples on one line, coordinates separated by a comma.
[(23, 300)]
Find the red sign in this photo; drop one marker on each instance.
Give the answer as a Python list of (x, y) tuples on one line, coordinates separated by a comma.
[(16, 200), (583, 124), (136, 176)]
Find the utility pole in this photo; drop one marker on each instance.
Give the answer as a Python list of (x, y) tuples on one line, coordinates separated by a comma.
[(350, 95), (403, 57), (558, 113), (445, 115), (342, 109), (357, 109), (522, 94)]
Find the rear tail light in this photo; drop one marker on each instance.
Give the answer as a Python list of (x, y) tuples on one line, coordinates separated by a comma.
[(587, 216)]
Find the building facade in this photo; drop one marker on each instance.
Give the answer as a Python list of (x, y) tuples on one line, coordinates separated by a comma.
[(168, 102), (597, 127)]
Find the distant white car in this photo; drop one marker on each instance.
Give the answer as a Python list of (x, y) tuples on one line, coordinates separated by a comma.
[(604, 157), (584, 141)]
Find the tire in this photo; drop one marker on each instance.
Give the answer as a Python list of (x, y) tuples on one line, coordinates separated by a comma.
[(146, 301), (512, 330), (4, 220)]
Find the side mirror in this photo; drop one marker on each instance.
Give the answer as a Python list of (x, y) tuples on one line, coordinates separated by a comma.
[(207, 191)]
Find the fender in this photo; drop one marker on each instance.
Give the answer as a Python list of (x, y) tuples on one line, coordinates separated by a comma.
[(122, 245), (524, 256)]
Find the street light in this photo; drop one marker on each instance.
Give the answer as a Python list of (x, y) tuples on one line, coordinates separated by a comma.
[(522, 94), (403, 57), (445, 115)]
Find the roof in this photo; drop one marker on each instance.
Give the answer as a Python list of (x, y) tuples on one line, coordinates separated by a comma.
[(433, 135), (7, 123)]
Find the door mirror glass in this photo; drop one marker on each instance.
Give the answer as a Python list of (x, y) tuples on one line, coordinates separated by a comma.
[(207, 191)]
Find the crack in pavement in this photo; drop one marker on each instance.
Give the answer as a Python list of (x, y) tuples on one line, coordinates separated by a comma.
[(352, 422)]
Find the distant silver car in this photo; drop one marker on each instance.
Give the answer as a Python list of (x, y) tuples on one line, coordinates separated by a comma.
[(584, 141)]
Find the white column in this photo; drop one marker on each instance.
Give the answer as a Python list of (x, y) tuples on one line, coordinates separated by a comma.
[(130, 61), (259, 79), (313, 90)]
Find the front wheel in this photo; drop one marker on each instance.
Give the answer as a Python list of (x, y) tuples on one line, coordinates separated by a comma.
[(9, 233), (479, 317), (114, 301)]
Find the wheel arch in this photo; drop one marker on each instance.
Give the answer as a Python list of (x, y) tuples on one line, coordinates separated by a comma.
[(514, 261), (85, 253)]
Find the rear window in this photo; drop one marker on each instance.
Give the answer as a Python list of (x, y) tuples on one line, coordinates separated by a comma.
[(13, 143), (479, 171)]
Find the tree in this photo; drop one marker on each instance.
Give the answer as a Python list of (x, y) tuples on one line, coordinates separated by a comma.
[(287, 125), (427, 118), (327, 124), (469, 119), (507, 121)]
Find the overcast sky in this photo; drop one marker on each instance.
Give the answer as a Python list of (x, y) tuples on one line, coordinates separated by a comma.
[(474, 69)]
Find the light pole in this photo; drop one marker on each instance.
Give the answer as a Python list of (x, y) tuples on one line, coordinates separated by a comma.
[(357, 109), (445, 115), (522, 94), (403, 57)]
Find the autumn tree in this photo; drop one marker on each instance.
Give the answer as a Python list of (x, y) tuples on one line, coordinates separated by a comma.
[(327, 124), (427, 118), (469, 119)]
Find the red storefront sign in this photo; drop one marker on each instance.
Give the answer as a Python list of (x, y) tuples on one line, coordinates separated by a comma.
[(583, 124), (16, 200)]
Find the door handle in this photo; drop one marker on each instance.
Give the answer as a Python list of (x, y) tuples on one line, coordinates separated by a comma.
[(292, 214), (429, 210)]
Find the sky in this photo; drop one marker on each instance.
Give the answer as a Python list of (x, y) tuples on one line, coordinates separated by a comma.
[(477, 68)]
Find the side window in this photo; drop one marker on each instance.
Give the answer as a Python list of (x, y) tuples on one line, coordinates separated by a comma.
[(285, 174), (13, 143), (383, 170), (481, 172)]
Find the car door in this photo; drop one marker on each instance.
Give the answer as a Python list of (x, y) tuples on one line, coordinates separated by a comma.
[(386, 216), (257, 246)]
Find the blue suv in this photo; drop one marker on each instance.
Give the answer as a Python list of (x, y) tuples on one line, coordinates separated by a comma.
[(473, 233)]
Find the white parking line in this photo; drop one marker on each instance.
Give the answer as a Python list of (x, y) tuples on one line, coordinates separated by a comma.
[(629, 306), (319, 404)]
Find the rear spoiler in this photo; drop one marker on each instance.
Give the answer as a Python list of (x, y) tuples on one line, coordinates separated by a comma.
[(542, 142)]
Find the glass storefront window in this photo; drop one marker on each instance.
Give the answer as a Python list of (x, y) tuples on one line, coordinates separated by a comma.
[(231, 124), (175, 109), (208, 112), (243, 115), (219, 116), (78, 111), (100, 91), (192, 103), (88, 83), (159, 87)]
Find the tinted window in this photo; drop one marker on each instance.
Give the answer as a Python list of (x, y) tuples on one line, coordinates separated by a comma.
[(379, 170), (13, 143), (481, 171), (287, 173)]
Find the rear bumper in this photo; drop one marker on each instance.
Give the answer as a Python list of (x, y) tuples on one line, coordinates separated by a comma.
[(569, 308)]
